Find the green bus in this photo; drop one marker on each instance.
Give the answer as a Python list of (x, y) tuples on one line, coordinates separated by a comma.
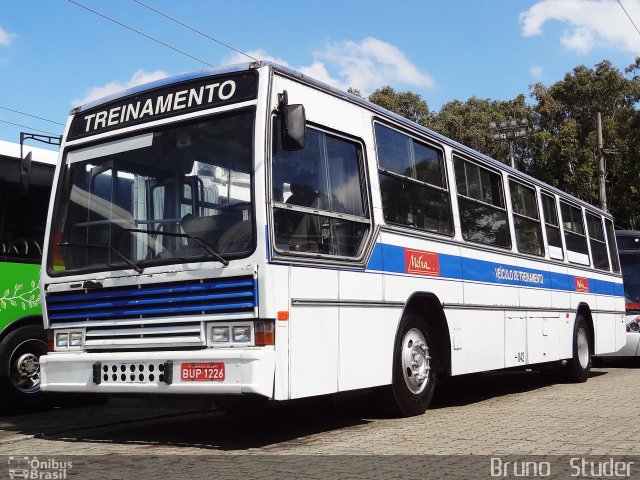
[(25, 188)]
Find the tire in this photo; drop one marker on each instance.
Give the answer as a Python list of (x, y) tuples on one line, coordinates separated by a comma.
[(414, 380), (20, 351), (578, 366)]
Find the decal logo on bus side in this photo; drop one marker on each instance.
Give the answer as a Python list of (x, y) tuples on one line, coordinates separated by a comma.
[(421, 263), (582, 284)]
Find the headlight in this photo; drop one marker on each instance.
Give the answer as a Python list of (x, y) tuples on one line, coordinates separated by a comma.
[(75, 339), (62, 340), (231, 334), (242, 334), (633, 326), (66, 340), (220, 334)]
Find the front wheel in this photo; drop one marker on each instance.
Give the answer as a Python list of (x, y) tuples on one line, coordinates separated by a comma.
[(579, 365), (20, 353), (413, 376)]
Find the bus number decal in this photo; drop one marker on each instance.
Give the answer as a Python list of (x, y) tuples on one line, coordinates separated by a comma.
[(421, 263), (582, 284)]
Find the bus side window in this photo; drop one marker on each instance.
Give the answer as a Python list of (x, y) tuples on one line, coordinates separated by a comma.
[(319, 196), (613, 248), (23, 216), (526, 219), (597, 241), (574, 234), (412, 182), (483, 216), (552, 226)]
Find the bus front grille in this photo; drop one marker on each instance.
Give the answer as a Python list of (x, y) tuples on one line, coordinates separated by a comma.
[(152, 315)]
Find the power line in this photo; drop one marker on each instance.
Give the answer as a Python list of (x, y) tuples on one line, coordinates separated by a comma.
[(32, 116), (195, 30), (30, 128), (139, 32), (629, 16)]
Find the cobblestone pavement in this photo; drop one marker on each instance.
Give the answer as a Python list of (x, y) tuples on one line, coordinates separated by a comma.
[(512, 413)]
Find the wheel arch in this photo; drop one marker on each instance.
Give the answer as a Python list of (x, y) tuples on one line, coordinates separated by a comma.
[(430, 307), (585, 311), (22, 322)]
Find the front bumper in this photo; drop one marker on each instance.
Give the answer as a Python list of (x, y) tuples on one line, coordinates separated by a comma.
[(249, 370)]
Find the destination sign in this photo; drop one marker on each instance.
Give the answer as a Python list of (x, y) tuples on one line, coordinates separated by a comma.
[(176, 99)]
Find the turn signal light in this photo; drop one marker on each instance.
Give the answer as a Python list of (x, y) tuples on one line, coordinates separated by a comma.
[(265, 333)]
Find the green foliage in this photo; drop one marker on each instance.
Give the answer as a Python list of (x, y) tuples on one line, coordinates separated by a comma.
[(560, 147), (565, 144), (468, 123), (409, 105)]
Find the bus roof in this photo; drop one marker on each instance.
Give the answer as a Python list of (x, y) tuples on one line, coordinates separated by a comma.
[(340, 93), (39, 155)]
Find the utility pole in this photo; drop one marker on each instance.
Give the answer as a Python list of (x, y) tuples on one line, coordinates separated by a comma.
[(509, 131), (602, 193)]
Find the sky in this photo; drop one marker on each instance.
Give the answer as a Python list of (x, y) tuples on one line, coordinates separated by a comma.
[(55, 54)]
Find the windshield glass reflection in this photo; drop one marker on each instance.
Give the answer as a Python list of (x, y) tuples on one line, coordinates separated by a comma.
[(169, 196)]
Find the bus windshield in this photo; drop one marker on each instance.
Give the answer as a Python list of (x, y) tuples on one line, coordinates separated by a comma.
[(167, 196), (631, 277)]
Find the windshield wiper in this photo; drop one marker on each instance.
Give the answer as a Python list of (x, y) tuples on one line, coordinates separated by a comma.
[(203, 243), (129, 262)]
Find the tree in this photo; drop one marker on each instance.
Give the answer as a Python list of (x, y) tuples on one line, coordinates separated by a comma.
[(407, 104), (561, 146), (468, 123), (565, 141), (355, 91)]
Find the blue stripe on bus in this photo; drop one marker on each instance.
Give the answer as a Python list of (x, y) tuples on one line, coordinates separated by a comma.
[(391, 259)]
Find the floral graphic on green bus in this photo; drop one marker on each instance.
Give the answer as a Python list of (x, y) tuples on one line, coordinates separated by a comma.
[(26, 299)]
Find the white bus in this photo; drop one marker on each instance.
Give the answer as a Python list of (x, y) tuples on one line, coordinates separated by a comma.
[(249, 232)]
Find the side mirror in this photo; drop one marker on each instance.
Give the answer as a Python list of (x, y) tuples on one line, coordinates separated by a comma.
[(294, 133), (25, 172)]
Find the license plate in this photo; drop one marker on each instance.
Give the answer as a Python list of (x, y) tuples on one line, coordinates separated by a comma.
[(202, 372)]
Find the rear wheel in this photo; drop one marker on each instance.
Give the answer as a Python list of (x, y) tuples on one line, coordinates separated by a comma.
[(578, 367), (20, 353), (413, 376)]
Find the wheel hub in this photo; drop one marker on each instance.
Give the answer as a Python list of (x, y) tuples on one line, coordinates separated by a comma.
[(28, 365), (583, 348), (415, 361)]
